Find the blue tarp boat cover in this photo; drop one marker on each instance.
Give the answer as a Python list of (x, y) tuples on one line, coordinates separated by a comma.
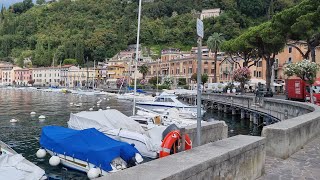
[(88, 145)]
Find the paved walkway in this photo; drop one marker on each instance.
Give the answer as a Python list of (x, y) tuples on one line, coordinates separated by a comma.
[(303, 165)]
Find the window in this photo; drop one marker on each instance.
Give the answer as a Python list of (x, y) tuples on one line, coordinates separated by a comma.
[(212, 63), (184, 71), (177, 71), (190, 71), (205, 71), (259, 64), (290, 49), (290, 60), (212, 71), (206, 62), (254, 73), (190, 62)]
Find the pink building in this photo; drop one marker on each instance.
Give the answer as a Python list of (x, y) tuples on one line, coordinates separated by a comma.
[(22, 77)]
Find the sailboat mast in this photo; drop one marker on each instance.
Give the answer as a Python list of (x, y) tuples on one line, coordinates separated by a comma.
[(136, 63), (94, 73)]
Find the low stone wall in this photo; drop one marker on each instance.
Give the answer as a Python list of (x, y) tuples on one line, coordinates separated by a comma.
[(300, 122), (286, 109), (287, 137), (210, 132), (238, 157)]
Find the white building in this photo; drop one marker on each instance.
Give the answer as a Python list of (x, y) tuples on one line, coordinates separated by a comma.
[(79, 77), (207, 13), (46, 76)]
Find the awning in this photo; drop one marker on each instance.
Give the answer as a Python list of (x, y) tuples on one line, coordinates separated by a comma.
[(256, 81), (275, 84)]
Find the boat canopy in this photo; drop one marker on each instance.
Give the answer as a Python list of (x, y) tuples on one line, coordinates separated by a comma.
[(15, 166), (104, 121), (88, 145)]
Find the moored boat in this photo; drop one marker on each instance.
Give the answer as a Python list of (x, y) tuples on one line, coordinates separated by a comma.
[(86, 150), (14, 166)]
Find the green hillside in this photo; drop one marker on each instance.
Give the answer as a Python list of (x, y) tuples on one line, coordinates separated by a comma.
[(98, 29)]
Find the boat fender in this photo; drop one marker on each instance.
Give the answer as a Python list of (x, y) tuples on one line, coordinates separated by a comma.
[(138, 158), (13, 120), (41, 153), (54, 161), (33, 113), (93, 173)]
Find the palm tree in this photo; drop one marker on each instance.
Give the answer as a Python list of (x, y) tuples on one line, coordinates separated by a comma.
[(214, 42), (144, 69)]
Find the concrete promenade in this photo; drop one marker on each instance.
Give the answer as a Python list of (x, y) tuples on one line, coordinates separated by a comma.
[(302, 165)]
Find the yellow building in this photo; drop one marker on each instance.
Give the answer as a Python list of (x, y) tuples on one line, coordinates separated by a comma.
[(116, 71)]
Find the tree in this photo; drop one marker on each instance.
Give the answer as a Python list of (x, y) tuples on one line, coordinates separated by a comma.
[(70, 62), (242, 75), (214, 42), (194, 77), (240, 48), (31, 82), (182, 81), (143, 69), (204, 79), (167, 81), (40, 2), (268, 42), (301, 22), (305, 70), (122, 82), (154, 80)]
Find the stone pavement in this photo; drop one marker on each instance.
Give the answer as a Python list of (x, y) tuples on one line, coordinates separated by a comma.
[(303, 165)]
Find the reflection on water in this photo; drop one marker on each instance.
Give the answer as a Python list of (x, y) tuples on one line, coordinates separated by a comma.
[(24, 135)]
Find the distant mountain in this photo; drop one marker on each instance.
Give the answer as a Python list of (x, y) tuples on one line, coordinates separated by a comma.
[(95, 30)]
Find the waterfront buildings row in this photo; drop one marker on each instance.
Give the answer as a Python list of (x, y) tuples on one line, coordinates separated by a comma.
[(173, 63), (181, 65)]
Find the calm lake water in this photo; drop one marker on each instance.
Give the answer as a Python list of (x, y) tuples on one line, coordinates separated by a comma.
[(24, 135)]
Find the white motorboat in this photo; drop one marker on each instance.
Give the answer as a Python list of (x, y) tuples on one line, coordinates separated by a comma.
[(166, 100), (167, 117), (87, 150), (120, 127), (139, 97), (14, 166)]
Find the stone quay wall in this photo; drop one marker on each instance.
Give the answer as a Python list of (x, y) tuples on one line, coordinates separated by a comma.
[(210, 132), (238, 157), (300, 122)]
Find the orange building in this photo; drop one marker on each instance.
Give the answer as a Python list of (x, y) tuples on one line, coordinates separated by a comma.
[(291, 55), (177, 64)]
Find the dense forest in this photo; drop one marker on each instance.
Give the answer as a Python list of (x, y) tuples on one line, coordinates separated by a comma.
[(98, 29)]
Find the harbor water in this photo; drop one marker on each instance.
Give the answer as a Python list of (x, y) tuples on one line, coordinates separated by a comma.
[(23, 136)]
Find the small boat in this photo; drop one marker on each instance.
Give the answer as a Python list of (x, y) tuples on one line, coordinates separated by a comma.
[(14, 166), (86, 150), (118, 126), (166, 100)]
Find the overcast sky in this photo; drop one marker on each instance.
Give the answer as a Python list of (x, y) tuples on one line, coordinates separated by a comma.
[(7, 3)]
